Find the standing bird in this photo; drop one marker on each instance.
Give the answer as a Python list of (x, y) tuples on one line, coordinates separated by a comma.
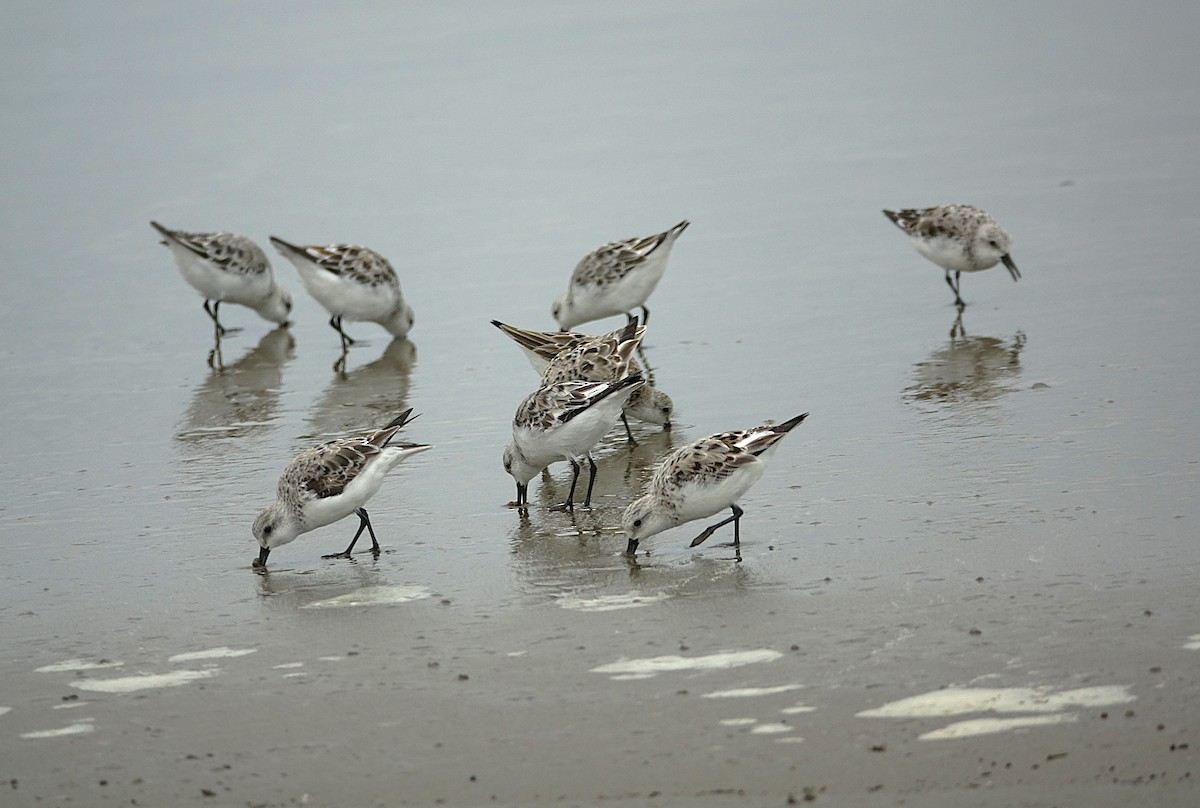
[(615, 279), (329, 482), (958, 238), (566, 356), (563, 422), (701, 479), (224, 267), (352, 283)]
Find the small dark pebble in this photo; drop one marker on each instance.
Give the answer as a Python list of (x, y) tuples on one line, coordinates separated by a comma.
[(875, 788), (791, 800), (979, 580), (681, 692), (1056, 756), (1156, 669), (71, 697), (462, 677), (446, 601), (1104, 715), (974, 632), (103, 782), (352, 653), (208, 793), (1130, 713), (1161, 727), (472, 778), (879, 747), (795, 647), (1148, 613), (684, 648)]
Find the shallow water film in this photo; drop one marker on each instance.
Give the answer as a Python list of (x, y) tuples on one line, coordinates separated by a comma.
[(968, 578)]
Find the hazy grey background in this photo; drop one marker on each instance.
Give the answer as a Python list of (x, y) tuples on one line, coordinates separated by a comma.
[(484, 148)]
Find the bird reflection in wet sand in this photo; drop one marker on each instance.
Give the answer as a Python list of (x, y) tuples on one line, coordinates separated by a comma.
[(365, 395), (238, 399), (969, 369)]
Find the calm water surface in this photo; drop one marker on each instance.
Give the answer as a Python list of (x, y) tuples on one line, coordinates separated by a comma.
[(1048, 446)]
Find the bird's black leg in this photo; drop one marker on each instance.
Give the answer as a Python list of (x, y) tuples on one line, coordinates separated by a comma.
[(645, 316), (628, 431), (955, 285), (213, 314), (336, 323), (363, 524), (569, 505), (708, 531), (587, 500)]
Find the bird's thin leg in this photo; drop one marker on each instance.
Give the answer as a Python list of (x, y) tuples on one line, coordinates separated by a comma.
[(336, 323), (213, 314), (628, 431), (587, 500), (955, 285), (708, 531), (645, 316), (363, 524), (569, 505)]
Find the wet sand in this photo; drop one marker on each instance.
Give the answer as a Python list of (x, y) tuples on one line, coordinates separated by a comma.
[(967, 579)]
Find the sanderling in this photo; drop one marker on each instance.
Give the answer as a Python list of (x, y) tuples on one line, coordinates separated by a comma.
[(569, 352), (227, 268), (702, 478), (563, 422), (616, 279), (329, 482), (352, 283), (958, 238)]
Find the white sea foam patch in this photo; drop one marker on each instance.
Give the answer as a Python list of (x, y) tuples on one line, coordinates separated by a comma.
[(212, 653), (4, 710), (750, 692), (82, 728), (287, 665), (988, 726), (371, 596), (1193, 643), (965, 700), (77, 665), (652, 666), (770, 729), (131, 684), (797, 708), (737, 722), (610, 603)]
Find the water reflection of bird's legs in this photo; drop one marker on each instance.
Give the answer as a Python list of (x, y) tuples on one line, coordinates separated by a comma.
[(956, 329)]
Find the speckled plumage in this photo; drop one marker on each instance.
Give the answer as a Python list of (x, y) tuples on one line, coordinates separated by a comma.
[(616, 278), (227, 268), (573, 359), (329, 482), (958, 238), (702, 478), (563, 422), (352, 283)]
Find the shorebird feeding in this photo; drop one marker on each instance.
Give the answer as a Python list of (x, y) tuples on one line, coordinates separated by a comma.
[(958, 238), (701, 479), (329, 482), (227, 268)]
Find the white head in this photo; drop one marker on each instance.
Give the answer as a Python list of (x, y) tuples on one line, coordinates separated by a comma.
[(991, 244), (277, 306), (401, 321), (273, 527), (564, 312), (521, 470), (652, 406), (643, 518)]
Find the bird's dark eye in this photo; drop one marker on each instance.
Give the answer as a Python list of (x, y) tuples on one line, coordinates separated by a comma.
[(637, 522), (267, 530)]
